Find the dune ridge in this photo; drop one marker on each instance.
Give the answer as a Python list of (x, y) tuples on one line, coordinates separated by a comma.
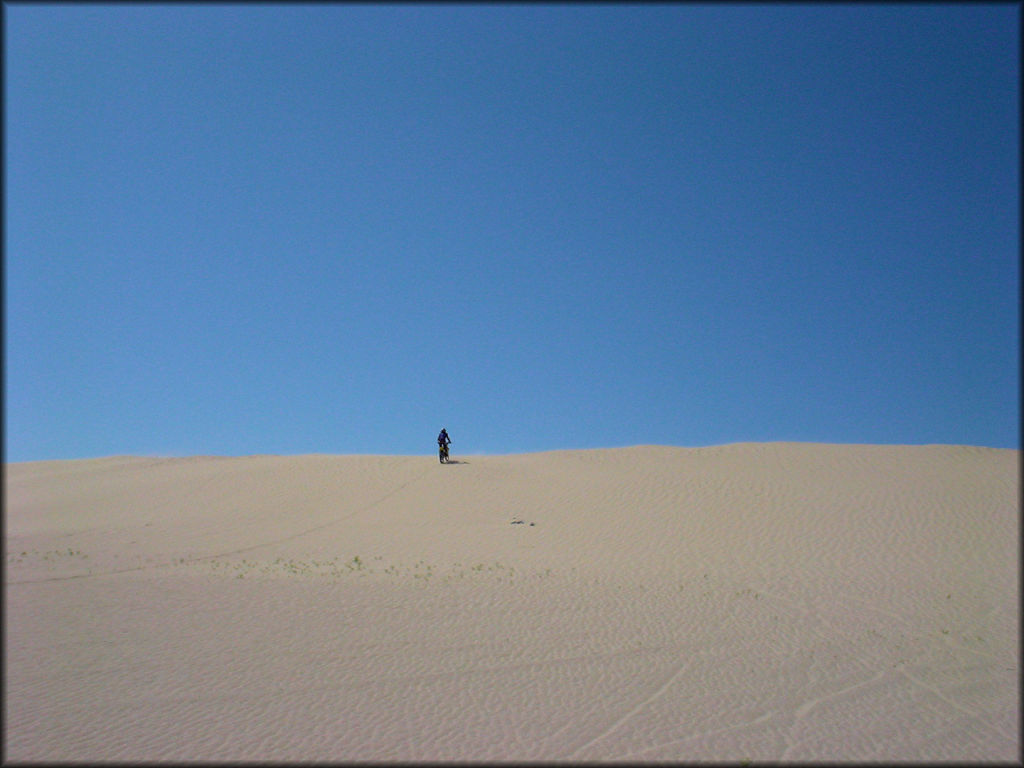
[(773, 601)]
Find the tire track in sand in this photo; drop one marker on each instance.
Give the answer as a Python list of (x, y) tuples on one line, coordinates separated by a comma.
[(634, 711)]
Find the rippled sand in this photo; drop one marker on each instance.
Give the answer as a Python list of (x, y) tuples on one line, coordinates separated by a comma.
[(758, 602)]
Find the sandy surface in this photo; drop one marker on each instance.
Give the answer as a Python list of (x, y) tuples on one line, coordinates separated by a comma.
[(762, 602)]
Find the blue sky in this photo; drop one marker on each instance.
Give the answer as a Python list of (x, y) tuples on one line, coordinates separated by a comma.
[(241, 229)]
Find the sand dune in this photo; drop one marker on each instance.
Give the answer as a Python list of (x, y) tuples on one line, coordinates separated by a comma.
[(743, 602)]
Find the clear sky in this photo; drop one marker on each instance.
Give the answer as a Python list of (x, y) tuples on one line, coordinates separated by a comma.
[(242, 229)]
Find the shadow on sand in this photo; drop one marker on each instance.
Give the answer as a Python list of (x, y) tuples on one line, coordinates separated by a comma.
[(455, 461)]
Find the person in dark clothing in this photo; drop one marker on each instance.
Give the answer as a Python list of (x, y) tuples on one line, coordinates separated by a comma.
[(442, 444)]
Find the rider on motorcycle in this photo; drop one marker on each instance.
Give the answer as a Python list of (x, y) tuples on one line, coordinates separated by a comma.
[(442, 443)]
